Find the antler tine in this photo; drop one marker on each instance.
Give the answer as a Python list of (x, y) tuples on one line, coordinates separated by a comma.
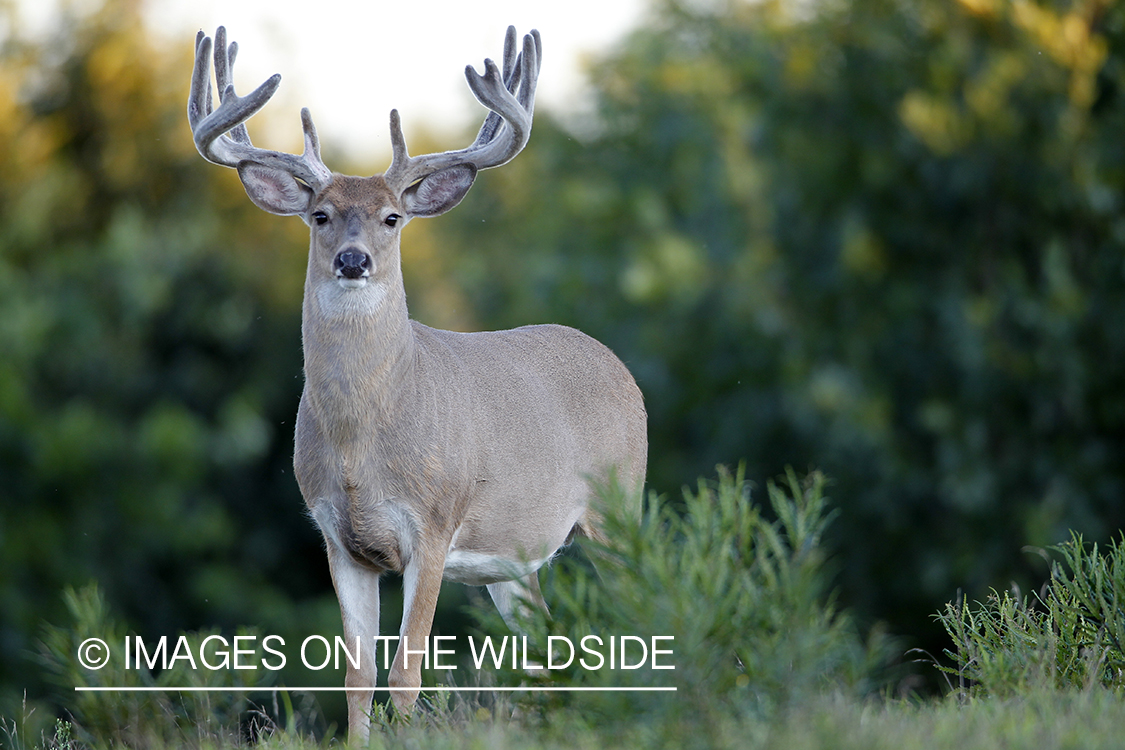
[(527, 92), (224, 77), (512, 74), (509, 94), (220, 134), (199, 100), (513, 100), (512, 57)]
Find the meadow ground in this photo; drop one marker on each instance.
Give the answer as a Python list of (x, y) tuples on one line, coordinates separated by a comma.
[(1044, 720)]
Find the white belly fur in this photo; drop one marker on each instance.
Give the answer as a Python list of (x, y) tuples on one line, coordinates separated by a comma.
[(476, 569)]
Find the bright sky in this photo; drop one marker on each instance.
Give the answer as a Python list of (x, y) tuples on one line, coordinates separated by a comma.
[(352, 61)]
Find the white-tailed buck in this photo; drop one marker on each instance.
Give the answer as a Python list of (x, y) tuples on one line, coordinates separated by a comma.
[(432, 454)]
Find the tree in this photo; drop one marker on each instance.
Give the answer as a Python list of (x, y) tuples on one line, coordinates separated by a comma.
[(881, 238), (150, 370)]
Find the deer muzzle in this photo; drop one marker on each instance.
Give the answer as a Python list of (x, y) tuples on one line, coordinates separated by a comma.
[(352, 263)]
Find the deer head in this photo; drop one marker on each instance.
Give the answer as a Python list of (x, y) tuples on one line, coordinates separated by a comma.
[(355, 220)]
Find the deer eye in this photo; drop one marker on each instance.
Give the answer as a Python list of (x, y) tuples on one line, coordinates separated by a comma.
[(320, 218), (391, 220)]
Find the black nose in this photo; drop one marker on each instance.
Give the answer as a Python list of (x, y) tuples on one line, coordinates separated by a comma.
[(352, 264)]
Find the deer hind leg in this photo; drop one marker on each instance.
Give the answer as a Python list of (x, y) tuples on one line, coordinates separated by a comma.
[(357, 588), (510, 596)]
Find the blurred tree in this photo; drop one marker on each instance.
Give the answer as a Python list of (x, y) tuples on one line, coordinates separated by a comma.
[(881, 238), (150, 372)]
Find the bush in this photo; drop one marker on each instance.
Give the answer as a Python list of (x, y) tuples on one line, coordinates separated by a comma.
[(146, 718), (747, 599), (744, 592), (1069, 636)]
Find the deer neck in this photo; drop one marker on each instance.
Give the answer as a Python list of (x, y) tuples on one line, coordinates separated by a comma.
[(359, 353)]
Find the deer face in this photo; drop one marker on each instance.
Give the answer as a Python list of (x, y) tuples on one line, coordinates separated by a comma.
[(355, 224), (355, 221)]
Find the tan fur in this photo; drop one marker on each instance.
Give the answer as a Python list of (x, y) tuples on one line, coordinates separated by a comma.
[(493, 434)]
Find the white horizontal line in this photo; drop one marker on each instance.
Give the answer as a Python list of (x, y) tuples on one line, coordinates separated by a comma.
[(147, 689)]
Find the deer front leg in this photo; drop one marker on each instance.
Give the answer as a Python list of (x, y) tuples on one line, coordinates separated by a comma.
[(421, 583), (357, 589)]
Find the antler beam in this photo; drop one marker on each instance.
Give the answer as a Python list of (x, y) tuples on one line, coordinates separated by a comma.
[(220, 134), (509, 95)]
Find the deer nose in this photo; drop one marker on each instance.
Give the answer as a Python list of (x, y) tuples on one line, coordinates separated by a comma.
[(353, 263)]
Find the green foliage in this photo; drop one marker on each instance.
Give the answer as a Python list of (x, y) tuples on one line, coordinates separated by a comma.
[(747, 600), (881, 236), (1070, 636), (219, 710), (138, 718), (785, 670), (1045, 721)]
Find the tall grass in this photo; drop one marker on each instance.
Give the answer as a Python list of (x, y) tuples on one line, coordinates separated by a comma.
[(1070, 636), (161, 718), (763, 655), (744, 590)]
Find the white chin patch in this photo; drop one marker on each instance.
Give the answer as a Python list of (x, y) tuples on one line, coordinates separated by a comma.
[(347, 283)]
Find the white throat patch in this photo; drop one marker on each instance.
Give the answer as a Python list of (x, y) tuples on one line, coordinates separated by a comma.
[(350, 297)]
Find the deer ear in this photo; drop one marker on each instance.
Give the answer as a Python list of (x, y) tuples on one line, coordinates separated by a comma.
[(440, 191), (274, 190)]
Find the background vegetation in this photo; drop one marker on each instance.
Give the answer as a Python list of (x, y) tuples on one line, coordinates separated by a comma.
[(879, 237)]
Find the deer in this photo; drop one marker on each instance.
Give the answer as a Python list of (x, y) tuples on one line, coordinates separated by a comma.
[(431, 454)]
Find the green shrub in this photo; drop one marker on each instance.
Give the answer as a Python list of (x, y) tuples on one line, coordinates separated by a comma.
[(1069, 636), (171, 718), (747, 600), (743, 591)]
